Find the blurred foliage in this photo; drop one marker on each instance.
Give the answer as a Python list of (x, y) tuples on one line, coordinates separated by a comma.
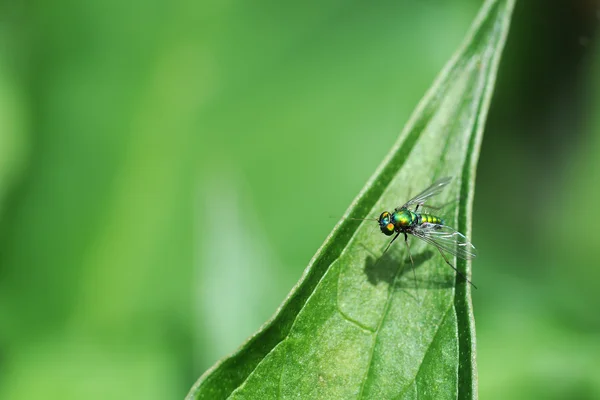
[(167, 169)]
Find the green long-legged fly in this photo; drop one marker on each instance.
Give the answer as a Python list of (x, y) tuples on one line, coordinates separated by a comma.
[(428, 227)]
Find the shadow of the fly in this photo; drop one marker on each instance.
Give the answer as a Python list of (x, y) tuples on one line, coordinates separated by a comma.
[(385, 268)]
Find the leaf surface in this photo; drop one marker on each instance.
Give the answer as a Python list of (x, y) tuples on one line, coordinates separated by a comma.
[(359, 325)]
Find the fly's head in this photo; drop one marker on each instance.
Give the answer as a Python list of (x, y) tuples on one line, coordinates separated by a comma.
[(385, 223)]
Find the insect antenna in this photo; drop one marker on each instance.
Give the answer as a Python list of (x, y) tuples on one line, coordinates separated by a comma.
[(356, 219), (364, 219)]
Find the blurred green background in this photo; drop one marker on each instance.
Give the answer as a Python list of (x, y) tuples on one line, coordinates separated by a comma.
[(168, 169)]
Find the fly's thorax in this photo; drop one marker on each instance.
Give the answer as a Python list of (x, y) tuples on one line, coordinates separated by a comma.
[(404, 218), (430, 219)]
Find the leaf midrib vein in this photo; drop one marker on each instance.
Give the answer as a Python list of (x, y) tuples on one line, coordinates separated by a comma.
[(413, 381), (376, 333)]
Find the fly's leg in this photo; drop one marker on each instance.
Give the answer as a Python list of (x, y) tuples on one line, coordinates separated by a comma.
[(388, 246), (386, 249), (434, 208), (454, 268), (422, 205), (411, 261)]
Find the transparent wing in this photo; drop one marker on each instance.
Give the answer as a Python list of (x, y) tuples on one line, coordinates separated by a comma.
[(447, 239), (431, 191)]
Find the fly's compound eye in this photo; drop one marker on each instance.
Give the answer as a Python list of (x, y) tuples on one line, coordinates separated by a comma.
[(388, 229), (384, 219)]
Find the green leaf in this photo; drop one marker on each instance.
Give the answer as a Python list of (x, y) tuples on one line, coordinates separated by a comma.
[(358, 325)]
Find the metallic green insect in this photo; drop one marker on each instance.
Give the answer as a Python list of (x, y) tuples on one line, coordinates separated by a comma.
[(427, 227)]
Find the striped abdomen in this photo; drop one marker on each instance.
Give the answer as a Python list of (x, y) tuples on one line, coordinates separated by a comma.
[(429, 219)]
